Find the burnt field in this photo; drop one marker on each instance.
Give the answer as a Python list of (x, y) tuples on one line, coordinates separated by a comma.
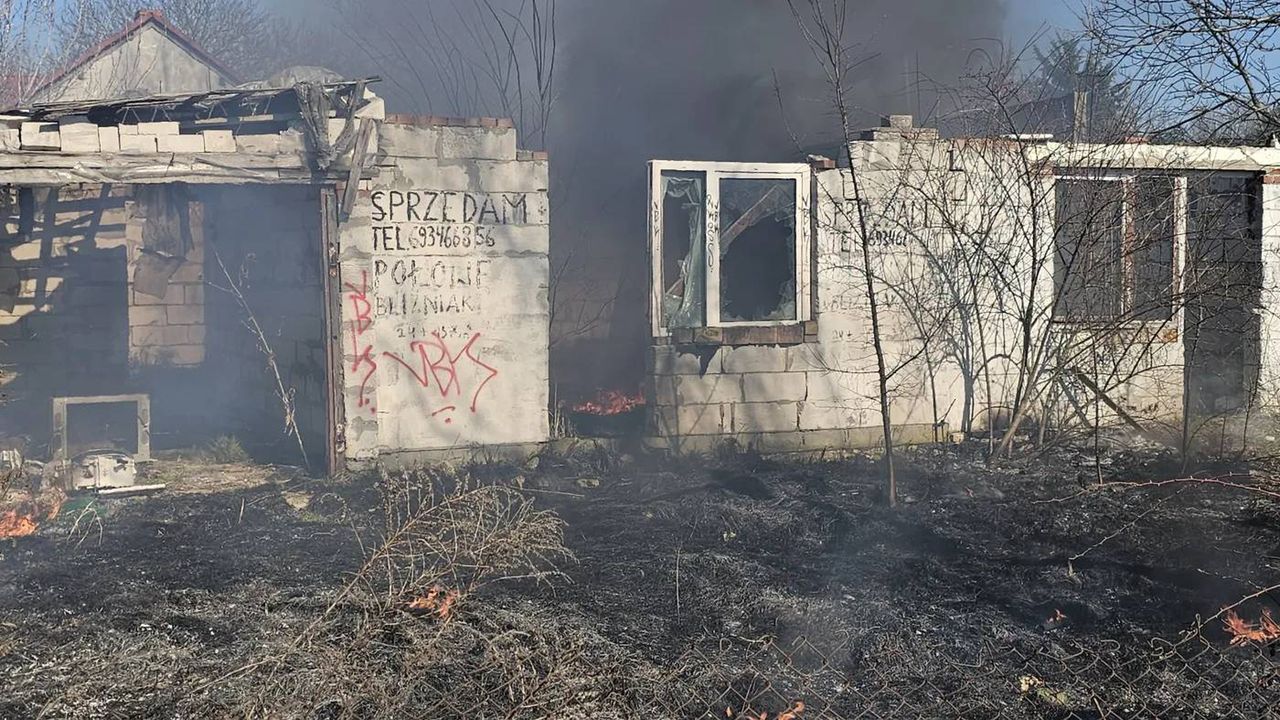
[(595, 585)]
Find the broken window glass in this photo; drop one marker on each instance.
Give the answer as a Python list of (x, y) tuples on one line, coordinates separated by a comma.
[(757, 249), (1089, 231), (1154, 226), (684, 202)]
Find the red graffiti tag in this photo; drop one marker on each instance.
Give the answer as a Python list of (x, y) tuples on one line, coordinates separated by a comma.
[(359, 297), (446, 371)]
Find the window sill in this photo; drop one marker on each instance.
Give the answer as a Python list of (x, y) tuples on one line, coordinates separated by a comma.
[(785, 334), (1166, 330)]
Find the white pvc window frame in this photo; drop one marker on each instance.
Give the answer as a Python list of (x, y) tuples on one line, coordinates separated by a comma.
[(714, 172)]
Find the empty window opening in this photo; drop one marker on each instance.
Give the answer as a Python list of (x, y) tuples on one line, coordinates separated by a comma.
[(1224, 278), (1155, 225), (757, 249), (1115, 240), (1089, 234)]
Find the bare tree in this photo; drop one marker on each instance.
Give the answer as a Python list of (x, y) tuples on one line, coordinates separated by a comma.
[(1211, 60), (460, 57), (27, 53), (242, 34), (824, 27)]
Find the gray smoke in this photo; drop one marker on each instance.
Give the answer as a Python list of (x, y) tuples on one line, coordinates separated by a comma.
[(672, 79)]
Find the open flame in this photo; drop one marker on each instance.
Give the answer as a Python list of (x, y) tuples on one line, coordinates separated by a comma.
[(437, 601), (24, 520), (14, 524), (610, 402), (1242, 632)]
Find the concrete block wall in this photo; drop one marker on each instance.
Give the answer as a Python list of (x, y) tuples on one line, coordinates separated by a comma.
[(775, 398), (922, 197), (78, 134), (64, 298), (444, 281), (170, 329)]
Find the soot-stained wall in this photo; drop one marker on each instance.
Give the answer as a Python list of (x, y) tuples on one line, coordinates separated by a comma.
[(444, 281)]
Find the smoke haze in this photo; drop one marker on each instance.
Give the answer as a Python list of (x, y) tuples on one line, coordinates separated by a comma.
[(672, 79)]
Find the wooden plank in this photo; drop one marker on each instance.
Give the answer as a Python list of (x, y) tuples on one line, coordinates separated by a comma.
[(357, 166), (1093, 387), (131, 490), (335, 378), (30, 168)]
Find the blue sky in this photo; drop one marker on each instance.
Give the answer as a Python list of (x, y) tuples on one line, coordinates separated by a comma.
[(1027, 17)]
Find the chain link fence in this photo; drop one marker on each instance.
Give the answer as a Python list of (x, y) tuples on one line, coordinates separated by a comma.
[(1196, 677)]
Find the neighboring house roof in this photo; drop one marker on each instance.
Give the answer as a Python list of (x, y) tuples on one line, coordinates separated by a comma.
[(143, 20)]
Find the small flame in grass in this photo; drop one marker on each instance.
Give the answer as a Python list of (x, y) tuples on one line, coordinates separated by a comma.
[(610, 402), (793, 713), (437, 601), (24, 520), (14, 524), (1057, 617), (1242, 632)]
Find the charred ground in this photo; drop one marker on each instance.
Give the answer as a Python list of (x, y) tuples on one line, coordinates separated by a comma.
[(734, 585)]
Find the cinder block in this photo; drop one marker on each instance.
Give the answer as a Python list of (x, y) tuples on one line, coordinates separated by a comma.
[(158, 128), (184, 314), (775, 442), (771, 387), (750, 359), (217, 141), (180, 143), (137, 143), (10, 139), (40, 136), (127, 129), (433, 174), (511, 176), (834, 415), (146, 315), (258, 144), (109, 139), (754, 417), (808, 356), (77, 134), (186, 354), (480, 143), (667, 360), (195, 334), (146, 335), (826, 439), (696, 390), (410, 141), (173, 295), (193, 294), (702, 419)]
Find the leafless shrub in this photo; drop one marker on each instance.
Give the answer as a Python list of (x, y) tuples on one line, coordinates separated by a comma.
[(402, 634)]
